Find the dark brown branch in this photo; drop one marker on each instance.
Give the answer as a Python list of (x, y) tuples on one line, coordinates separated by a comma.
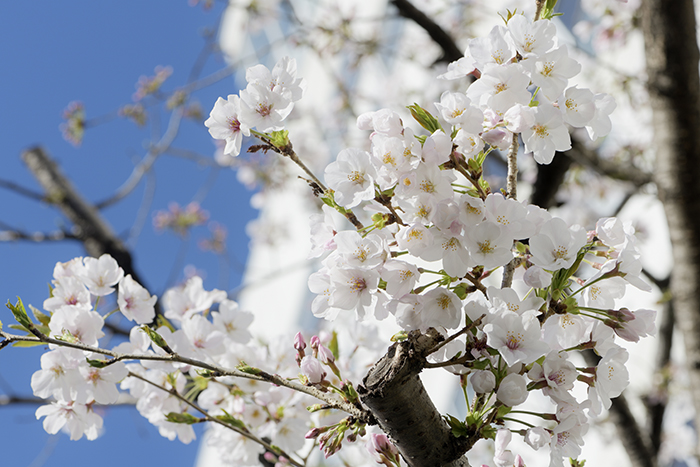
[(396, 397), (450, 51), (12, 186), (90, 228)]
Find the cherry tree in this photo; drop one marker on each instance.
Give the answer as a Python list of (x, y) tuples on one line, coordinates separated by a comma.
[(501, 293)]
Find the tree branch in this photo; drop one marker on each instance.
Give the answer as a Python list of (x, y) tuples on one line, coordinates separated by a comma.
[(450, 51), (395, 394), (90, 228)]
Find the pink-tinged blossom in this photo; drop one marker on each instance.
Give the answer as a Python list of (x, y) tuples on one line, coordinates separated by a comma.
[(58, 375), (352, 177), (551, 71), (469, 144), (415, 238), (312, 369), (384, 121), (353, 289), (494, 48), (508, 298), (456, 108), (76, 419), (437, 148), (537, 437), (483, 381), (547, 135), (189, 298), (449, 249), (503, 457), (360, 252), (631, 325), (516, 337), (600, 125), (282, 80), (614, 233), (432, 181), (567, 439), (68, 291), (531, 37), (101, 274), (224, 123), (320, 284), (578, 106), (263, 109), (232, 321), (500, 87), (563, 331), (135, 303), (537, 278), (511, 215), (557, 245), (441, 308), (99, 384), (400, 277), (420, 208), (460, 68), (611, 379), (203, 337), (513, 390), (557, 372), (519, 118), (324, 227), (471, 209), (82, 324), (408, 312), (488, 246)]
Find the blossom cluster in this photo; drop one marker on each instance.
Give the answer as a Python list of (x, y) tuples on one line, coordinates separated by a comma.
[(438, 231), (265, 102), (440, 250)]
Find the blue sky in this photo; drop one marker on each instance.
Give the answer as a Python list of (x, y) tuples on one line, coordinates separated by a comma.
[(57, 52)]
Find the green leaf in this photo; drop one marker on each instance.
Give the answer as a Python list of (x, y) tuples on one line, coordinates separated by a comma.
[(503, 411), (399, 336), (20, 314), (156, 338), (97, 363), (245, 368), (27, 344), (42, 317), (231, 420), (459, 428), (280, 138), (333, 345), (186, 418), (461, 290), (425, 119)]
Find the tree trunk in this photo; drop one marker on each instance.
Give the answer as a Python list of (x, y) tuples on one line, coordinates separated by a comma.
[(674, 91), (395, 395)]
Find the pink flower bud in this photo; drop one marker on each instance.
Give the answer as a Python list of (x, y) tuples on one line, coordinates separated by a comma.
[(312, 369), (299, 342), (325, 354)]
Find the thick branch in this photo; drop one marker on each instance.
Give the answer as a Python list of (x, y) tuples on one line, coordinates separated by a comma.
[(672, 58), (395, 394)]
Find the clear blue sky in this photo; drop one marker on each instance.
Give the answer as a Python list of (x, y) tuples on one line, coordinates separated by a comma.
[(57, 52)]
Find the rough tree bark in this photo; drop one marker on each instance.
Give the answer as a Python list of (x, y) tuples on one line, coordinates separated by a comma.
[(674, 90), (395, 395)]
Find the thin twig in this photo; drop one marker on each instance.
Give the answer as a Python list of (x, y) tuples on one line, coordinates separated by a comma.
[(216, 370), (210, 418)]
